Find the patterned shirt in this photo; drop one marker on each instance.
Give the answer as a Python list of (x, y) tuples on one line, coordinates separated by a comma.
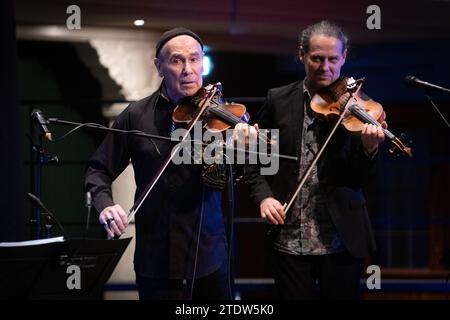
[(308, 229)]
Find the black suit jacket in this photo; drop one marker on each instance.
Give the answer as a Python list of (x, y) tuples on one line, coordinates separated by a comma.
[(342, 169)]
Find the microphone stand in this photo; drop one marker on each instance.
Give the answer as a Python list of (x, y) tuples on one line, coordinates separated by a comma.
[(436, 108), (40, 227), (428, 88), (103, 128), (100, 127)]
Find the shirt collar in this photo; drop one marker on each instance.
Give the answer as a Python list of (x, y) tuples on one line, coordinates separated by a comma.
[(163, 97), (305, 91), (307, 107), (163, 91)]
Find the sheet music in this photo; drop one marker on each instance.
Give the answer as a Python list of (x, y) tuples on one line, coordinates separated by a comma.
[(31, 242)]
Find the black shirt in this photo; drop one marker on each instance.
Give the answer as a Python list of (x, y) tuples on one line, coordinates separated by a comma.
[(167, 223)]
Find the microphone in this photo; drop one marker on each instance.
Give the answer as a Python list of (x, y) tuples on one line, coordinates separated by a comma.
[(38, 117), (88, 200), (415, 82), (88, 204), (38, 203)]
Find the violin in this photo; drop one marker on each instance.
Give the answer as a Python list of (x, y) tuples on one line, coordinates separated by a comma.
[(219, 115), (330, 102), (345, 100)]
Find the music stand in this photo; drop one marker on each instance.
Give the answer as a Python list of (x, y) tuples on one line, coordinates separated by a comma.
[(41, 271)]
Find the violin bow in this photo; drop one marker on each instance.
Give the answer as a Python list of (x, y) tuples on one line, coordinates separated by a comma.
[(164, 165)]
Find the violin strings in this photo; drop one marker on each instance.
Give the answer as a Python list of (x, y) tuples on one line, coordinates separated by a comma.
[(362, 115), (232, 118)]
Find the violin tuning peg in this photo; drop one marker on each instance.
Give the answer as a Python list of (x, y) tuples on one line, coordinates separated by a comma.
[(403, 137), (395, 151), (360, 80)]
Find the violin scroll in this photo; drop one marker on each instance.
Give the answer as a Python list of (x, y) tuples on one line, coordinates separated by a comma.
[(399, 147)]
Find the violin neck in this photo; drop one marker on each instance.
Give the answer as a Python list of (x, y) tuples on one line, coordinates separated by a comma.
[(230, 118), (362, 115)]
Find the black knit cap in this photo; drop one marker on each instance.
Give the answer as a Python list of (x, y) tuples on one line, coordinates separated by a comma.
[(175, 32)]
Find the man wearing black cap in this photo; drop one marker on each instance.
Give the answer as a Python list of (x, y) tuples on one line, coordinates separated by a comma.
[(179, 228)]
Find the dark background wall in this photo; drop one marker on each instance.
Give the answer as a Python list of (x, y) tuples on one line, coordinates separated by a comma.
[(11, 218)]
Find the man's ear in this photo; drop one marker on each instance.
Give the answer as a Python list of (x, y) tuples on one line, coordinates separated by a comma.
[(157, 63), (301, 54), (345, 55)]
